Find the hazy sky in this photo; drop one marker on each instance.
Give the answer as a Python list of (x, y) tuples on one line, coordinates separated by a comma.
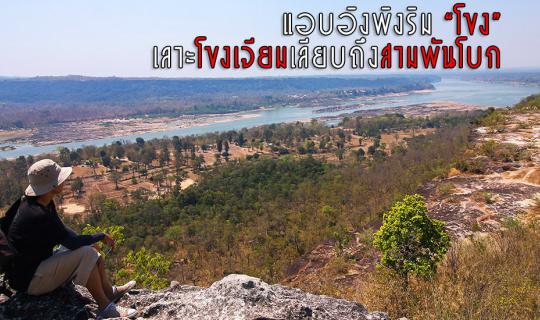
[(105, 37)]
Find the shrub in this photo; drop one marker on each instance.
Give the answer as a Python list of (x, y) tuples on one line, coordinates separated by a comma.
[(410, 241), (484, 197), (529, 104), (492, 277), (474, 165), (506, 152), (149, 269), (116, 232), (494, 119), (445, 189)]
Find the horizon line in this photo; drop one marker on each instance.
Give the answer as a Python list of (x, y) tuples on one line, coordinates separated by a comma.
[(326, 75)]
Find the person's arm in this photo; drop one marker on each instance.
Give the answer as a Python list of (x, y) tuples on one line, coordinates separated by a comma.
[(67, 237), (74, 241)]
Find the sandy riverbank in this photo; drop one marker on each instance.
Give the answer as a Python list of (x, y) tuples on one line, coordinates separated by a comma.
[(120, 127), (105, 128), (414, 110)]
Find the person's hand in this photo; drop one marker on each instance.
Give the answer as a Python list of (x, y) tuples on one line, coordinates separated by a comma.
[(108, 241)]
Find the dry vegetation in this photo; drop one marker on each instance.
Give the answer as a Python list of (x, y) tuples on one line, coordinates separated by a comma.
[(97, 178), (491, 206), (310, 223), (493, 277)]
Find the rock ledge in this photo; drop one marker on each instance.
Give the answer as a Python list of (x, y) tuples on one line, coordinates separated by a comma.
[(233, 297)]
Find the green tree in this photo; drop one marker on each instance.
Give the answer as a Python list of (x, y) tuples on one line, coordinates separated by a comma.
[(63, 155), (115, 177), (198, 163), (149, 269), (410, 241), (77, 186), (164, 156), (241, 140), (140, 142), (219, 145), (360, 154), (341, 239), (309, 146)]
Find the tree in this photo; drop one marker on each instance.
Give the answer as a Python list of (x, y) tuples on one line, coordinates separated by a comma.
[(340, 153), (140, 142), (177, 143), (341, 134), (105, 158), (219, 145), (114, 164), (241, 140), (410, 241), (164, 156), (118, 150), (198, 163), (323, 144), (115, 177), (309, 146), (92, 163), (218, 158), (74, 157), (226, 150), (360, 154), (148, 155), (157, 179), (63, 155), (77, 186)]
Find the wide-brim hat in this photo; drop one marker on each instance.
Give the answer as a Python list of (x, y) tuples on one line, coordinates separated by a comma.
[(44, 176)]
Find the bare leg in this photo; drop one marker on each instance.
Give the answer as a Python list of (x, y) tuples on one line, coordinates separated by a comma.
[(105, 282), (95, 286)]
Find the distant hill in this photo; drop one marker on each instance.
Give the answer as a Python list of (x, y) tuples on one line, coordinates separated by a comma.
[(76, 89), (27, 102)]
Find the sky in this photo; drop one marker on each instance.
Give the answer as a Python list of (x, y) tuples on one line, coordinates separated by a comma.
[(115, 38)]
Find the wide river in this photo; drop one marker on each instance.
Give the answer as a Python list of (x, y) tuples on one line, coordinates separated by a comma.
[(477, 93)]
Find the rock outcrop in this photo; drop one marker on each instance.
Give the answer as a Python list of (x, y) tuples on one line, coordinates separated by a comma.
[(233, 297)]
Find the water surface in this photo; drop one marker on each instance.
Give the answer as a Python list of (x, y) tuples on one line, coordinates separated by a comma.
[(477, 93)]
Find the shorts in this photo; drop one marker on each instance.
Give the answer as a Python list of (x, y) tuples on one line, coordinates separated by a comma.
[(63, 267)]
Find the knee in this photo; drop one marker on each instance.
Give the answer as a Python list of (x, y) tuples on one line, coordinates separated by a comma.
[(89, 251), (100, 260)]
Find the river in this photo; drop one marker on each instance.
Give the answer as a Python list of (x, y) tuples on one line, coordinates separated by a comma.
[(449, 89)]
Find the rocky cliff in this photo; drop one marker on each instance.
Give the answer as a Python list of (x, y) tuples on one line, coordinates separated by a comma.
[(233, 297)]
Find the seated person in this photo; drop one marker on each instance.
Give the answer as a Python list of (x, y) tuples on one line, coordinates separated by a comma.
[(36, 229)]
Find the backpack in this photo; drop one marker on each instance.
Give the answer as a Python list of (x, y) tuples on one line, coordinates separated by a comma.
[(7, 251)]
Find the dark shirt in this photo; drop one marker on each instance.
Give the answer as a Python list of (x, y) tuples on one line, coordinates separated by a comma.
[(34, 232)]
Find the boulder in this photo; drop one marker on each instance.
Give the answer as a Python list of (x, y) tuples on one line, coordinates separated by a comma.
[(233, 297)]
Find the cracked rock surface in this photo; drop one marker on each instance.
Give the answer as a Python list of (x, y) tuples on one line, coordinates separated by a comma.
[(233, 297)]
